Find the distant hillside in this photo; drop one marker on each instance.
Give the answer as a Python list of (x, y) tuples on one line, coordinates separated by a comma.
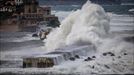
[(76, 2)]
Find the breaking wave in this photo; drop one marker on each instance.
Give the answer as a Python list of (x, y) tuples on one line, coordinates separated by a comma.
[(85, 26)]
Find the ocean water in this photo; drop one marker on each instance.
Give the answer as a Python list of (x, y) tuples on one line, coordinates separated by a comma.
[(63, 10), (87, 25), (120, 9)]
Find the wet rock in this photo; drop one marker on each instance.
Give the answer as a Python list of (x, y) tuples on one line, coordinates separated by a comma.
[(35, 35), (107, 66), (77, 56), (85, 60), (88, 59), (93, 56), (93, 67), (119, 56), (72, 58), (125, 53), (129, 39), (112, 54), (108, 53), (104, 54), (93, 73)]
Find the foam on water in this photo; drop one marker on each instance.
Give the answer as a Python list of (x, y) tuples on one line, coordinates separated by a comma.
[(89, 25), (85, 26)]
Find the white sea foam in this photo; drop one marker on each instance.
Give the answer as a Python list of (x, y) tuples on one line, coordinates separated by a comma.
[(87, 25), (90, 25)]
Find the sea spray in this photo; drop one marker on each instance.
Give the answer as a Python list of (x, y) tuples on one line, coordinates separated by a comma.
[(87, 25)]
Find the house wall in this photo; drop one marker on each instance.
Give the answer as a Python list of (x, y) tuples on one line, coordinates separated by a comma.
[(40, 62), (9, 28)]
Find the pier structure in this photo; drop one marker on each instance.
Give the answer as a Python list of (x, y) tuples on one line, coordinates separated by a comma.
[(57, 57)]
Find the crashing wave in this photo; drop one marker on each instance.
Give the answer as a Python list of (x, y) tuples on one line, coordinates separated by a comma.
[(85, 26)]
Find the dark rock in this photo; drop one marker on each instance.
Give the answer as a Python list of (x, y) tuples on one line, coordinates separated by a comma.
[(119, 56), (72, 58), (85, 60), (93, 73), (93, 67), (108, 53), (112, 54), (89, 58), (104, 54), (93, 56), (77, 56), (125, 53), (107, 66), (129, 39), (35, 35)]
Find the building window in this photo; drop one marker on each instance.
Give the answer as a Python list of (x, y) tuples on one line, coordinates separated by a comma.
[(29, 64), (48, 12), (24, 65), (29, 10)]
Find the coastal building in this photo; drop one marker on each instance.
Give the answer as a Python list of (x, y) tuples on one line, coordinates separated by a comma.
[(24, 15)]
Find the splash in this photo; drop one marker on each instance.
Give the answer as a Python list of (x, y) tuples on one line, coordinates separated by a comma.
[(85, 26)]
